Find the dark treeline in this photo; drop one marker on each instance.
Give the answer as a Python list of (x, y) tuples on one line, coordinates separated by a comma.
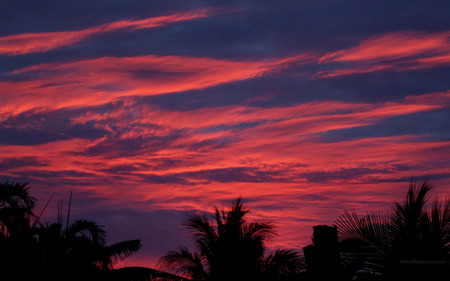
[(407, 242)]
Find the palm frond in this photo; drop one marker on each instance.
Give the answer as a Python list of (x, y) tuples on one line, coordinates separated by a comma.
[(282, 262), (372, 229), (259, 230), (16, 195), (219, 222), (415, 200), (87, 229), (204, 233), (440, 222), (183, 262), (408, 231), (124, 249), (234, 218)]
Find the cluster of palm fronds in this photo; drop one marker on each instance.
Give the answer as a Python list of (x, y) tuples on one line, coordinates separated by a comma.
[(408, 240), (232, 249), (32, 250)]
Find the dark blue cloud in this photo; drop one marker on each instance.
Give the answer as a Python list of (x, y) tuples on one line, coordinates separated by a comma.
[(267, 29), (47, 182), (342, 174), (16, 136), (115, 146), (428, 126), (239, 174), (287, 88), (16, 162), (32, 128)]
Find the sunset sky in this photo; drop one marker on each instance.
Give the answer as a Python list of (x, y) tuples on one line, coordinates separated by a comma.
[(150, 111)]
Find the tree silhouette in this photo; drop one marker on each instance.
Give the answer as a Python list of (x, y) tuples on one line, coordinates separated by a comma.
[(17, 247), (16, 209), (77, 252), (231, 249), (407, 242), (80, 248)]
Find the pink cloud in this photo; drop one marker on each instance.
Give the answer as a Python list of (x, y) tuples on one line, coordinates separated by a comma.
[(393, 46), (353, 173), (398, 51), (103, 80), (151, 158), (43, 42)]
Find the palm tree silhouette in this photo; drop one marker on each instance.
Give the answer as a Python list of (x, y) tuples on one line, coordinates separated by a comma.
[(81, 247), (230, 249), (77, 252), (17, 246), (16, 209), (407, 242)]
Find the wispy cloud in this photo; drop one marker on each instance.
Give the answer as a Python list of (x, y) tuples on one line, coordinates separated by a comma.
[(182, 146), (103, 80), (43, 42), (393, 46), (396, 51)]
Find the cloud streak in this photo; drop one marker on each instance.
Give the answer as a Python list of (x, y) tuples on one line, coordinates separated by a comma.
[(99, 81), (43, 42), (103, 80), (393, 46), (396, 51)]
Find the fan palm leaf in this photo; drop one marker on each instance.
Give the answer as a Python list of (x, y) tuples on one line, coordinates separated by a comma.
[(86, 229), (281, 263), (408, 232), (184, 262), (119, 251)]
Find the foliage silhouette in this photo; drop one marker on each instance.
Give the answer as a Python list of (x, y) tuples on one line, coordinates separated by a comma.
[(16, 209), (17, 244), (407, 242), (77, 252), (231, 249), (80, 248)]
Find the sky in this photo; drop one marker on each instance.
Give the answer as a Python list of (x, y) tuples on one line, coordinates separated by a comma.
[(151, 111)]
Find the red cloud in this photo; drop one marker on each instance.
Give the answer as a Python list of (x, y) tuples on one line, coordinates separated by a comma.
[(392, 52), (393, 46), (107, 79), (313, 180), (44, 42)]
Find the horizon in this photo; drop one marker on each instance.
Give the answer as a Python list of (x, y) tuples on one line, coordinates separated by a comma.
[(150, 112)]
